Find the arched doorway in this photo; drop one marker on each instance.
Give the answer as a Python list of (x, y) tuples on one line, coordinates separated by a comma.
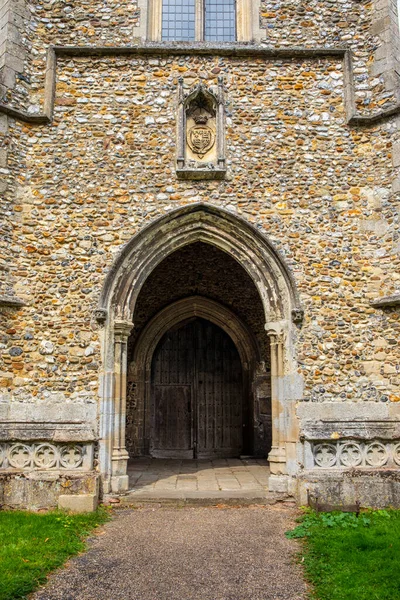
[(277, 291), (196, 362), (197, 401)]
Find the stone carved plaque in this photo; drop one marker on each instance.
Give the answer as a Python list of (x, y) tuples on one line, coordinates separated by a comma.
[(19, 456), (351, 454), (396, 453), (201, 137), (325, 455), (45, 456)]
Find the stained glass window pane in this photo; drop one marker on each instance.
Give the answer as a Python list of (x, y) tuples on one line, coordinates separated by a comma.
[(220, 20), (178, 20)]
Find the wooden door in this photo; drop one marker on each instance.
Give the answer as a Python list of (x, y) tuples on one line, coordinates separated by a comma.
[(197, 394), (172, 396), (219, 393)]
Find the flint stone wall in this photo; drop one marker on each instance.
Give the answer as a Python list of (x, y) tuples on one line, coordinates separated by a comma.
[(106, 167), (369, 29), (326, 193)]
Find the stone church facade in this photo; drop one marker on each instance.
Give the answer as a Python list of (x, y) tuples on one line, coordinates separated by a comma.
[(208, 168)]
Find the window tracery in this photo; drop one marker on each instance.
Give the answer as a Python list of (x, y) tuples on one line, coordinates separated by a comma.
[(201, 20)]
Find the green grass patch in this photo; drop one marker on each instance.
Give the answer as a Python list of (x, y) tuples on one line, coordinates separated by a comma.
[(350, 557), (33, 544)]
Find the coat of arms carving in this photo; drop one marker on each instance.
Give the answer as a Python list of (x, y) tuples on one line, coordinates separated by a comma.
[(201, 138)]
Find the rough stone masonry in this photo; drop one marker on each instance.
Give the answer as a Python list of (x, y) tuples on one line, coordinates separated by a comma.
[(309, 194)]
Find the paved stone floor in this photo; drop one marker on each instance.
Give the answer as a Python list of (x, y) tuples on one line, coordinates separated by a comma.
[(196, 553), (230, 478)]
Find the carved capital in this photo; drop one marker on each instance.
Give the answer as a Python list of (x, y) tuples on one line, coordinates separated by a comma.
[(275, 332), (122, 330)]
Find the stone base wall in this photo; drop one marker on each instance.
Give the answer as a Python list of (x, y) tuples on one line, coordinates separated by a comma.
[(351, 488), (41, 461), (42, 489)]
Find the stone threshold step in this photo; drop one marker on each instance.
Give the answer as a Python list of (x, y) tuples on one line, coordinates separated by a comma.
[(197, 499)]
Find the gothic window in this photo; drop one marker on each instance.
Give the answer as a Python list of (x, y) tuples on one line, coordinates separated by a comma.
[(191, 20), (201, 20)]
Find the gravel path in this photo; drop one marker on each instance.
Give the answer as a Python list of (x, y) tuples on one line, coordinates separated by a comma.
[(186, 554)]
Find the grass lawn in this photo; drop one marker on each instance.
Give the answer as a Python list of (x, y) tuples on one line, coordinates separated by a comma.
[(33, 544), (351, 558)]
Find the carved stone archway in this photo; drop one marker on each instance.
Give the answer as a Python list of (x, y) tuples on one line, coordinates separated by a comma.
[(275, 285)]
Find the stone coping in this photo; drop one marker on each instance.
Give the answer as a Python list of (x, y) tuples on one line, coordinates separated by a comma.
[(228, 498), (200, 174), (359, 430), (11, 302), (48, 431), (350, 473), (242, 50), (387, 301)]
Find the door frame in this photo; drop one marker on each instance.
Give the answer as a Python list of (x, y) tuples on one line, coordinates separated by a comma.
[(194, 306)]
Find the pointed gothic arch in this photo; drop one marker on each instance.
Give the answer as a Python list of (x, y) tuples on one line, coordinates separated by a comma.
[(139, 257), (211, 225)]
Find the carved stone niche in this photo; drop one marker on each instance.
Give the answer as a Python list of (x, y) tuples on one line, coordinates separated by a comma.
[(201, 133)]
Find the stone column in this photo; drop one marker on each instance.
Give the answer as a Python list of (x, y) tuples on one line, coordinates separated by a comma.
[(181, 127), (119, 457), (199, 20), (154, 19), (221, 125), (244, 15), (277, 455)]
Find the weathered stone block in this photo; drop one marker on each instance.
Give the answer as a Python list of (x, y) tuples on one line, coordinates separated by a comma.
[(81, 503), (278, 483), (366, 489), (41, 489), (7, 76), (396, 154)]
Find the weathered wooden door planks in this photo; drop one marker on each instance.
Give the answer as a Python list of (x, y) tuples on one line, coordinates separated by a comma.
[(197, 394)]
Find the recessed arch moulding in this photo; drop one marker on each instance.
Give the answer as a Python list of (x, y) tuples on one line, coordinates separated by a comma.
[(275, 285), (177, 313)]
